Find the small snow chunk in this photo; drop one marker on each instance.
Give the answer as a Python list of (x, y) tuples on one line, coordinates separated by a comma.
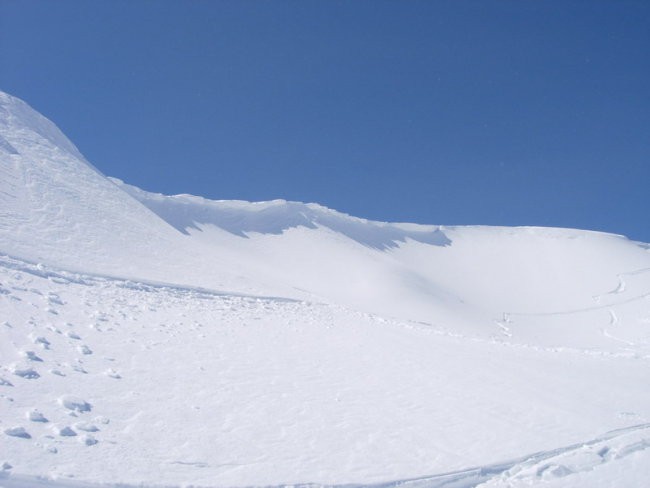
[(59, 280), (75, 403), (56, 372), (27, 373), (36, 416), (112, 373), (5, 466), (18, 432), (52, 450), (101, 316), (84, 349), (41, 341), (86, 427), (31, 355), (73, 335), (4, 382), (79, 368), (65, 431), (88, 440), (553, 471)]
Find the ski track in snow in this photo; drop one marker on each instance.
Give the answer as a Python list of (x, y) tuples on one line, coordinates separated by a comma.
[(553, 464), (611, 326)]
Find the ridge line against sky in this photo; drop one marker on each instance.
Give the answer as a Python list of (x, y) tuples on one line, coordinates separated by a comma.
[(494, 113)]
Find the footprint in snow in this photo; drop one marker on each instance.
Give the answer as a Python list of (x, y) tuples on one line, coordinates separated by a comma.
[(40, 341), (36, 416), (31, 356), (86, 427), (65, 431), (18, 432), (88, 440), (27, 373), (84, 349)]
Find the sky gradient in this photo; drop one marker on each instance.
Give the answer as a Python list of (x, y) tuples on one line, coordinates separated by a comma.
[(464, 112)]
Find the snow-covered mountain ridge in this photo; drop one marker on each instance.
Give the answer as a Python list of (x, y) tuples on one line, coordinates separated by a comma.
[(242, 218), (59, 210), (161, 339)]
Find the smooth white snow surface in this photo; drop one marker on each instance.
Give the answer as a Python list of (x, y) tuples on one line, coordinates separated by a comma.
[(174, 340)]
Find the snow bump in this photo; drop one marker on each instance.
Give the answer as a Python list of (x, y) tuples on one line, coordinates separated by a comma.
[(75, 403)]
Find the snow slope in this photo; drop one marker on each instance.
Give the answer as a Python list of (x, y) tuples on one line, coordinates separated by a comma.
[(486, 280), (151, 339), (171, 385)]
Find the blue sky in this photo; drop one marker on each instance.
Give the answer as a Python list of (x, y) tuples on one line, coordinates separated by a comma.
[(464, 112)]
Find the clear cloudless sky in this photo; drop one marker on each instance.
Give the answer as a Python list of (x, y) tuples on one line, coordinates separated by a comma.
[(443, 112)]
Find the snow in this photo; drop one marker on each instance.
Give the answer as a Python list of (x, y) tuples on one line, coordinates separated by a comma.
[(150, 340)]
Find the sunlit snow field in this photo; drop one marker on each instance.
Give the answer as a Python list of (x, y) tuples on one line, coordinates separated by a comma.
[(148, 340)]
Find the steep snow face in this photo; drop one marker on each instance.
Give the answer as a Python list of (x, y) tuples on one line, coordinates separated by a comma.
[(19, 119), (57, 208)]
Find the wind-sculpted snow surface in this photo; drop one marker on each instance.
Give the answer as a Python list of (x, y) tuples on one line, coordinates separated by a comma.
[(243, 218), (148, 340)]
